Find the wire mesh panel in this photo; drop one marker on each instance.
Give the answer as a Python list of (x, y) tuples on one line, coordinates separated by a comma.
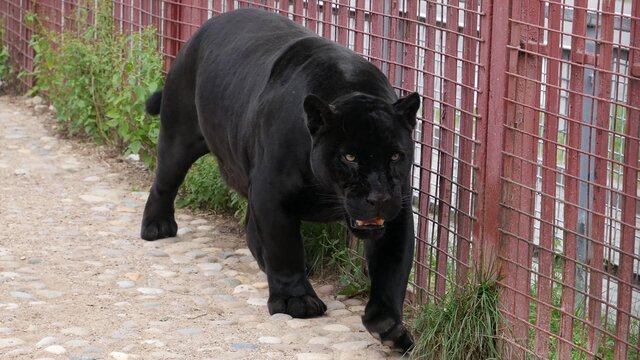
[(570, 168)]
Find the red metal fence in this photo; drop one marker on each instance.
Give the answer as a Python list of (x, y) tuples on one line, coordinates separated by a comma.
[(527, 147)]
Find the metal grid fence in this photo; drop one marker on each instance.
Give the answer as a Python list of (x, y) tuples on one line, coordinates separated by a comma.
[(527, 144)]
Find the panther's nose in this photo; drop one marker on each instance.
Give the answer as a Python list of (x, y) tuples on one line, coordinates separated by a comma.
[(378, 199)]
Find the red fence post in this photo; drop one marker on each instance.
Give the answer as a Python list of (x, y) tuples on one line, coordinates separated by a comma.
[(630, 190)]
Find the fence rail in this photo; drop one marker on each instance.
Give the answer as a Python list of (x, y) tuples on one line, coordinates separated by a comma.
[(527, 144)]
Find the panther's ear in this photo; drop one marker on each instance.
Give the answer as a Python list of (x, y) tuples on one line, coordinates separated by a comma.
[(407, 107), (318, 113)]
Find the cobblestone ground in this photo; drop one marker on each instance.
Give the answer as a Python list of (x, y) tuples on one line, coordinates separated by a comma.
[(76, 282)]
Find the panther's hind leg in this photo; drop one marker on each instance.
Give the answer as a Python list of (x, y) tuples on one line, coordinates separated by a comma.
[(180, 144)]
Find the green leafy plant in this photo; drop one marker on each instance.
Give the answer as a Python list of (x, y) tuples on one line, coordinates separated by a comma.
[(5, 67), (462, 325), (98, 79)]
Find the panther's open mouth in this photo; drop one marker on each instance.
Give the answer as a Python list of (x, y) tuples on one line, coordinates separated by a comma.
[(370, 224)]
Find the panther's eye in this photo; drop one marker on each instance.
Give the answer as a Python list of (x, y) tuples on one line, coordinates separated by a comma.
[(349, 157), (395, 157)]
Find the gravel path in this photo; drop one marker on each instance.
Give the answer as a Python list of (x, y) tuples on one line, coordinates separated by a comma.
[(76, 282)]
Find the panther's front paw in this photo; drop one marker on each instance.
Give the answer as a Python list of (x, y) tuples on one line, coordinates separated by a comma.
[(158, 229), (390, 333), (304, 306)]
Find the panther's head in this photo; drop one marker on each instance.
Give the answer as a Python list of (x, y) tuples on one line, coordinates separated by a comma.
[(363, 149)]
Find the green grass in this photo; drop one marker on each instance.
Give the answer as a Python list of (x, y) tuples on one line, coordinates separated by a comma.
[(463, 325), (580, 334)]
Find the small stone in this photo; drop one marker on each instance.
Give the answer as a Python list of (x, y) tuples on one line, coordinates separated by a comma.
[(190, 331), (119, 355), (261, 285), (92, 198), (336, 328), (243, 346), (41, 109), (257, 301), (320, 340), (325, 289), (180, 259), (50, 294), (339, 313), (352, 345), (21, 172), (198, 222), (353, 302), (10, 342), (335, 305), (126, 284), (156, 253), (297, 323), (91, 179), (184, 230), (243, 252), (269, 340), (55, 349), (151, 291), (76, 343), (210, 266), (357, 308), (244, 289), (77, 331), (133, 276), (313, 356), (46, 341), (166, 273), (20, 295), (281, 317)]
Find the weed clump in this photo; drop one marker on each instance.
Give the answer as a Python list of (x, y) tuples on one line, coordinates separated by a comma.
[(463, 325)]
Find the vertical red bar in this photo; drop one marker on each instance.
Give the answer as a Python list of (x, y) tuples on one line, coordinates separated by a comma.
[(549, 175), (465, 168), (217, 7), (343, 23), (428, 67), (284, 7), (145, 13), (409, 46), (327, 19), (298, 11), (576, 84), (630, 190), (312, 16), (523, 125), (596, 263), (392, 55), (376, 25), (447, 131), (359, 28)]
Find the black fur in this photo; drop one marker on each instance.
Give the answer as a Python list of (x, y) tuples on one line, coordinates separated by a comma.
[(153, 104), (308, 131)]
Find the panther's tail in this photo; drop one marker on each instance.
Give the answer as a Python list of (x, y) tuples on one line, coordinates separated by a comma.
[(153, 103)]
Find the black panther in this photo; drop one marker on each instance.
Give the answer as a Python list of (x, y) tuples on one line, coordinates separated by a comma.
[(307, 130)]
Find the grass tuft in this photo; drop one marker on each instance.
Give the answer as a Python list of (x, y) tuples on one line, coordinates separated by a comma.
[(463, 325)]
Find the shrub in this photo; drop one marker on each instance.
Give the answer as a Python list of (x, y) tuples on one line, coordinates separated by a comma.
[(98, 79)]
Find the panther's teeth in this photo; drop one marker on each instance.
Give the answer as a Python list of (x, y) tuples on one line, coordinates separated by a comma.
[(376, 221)]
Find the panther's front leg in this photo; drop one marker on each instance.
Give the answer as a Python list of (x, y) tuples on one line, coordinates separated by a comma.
[(389, 260), (274, 238)]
